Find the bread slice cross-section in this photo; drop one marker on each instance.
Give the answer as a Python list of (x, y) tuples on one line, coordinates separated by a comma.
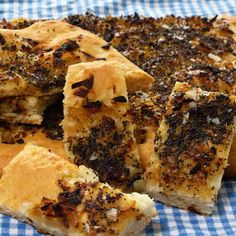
[(191, 148), (59, 198)]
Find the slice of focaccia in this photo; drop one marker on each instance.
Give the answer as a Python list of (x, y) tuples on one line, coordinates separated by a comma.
[(98, 129), (213, 79), (191, 148), (71, 201), (34, 60)]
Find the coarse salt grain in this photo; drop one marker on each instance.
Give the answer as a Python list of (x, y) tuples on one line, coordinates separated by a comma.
[(214, 57)]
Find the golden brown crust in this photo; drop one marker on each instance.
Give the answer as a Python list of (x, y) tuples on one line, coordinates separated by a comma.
[(9, 151), (71, 201)]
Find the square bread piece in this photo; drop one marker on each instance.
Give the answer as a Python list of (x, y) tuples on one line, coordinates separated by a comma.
[(191, 148), (34, 60), (59, 198), (98, 129)]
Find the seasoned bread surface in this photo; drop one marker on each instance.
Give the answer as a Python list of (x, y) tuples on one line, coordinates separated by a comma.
[(72, 201), (34, 61), (191, 148), (98, 128)]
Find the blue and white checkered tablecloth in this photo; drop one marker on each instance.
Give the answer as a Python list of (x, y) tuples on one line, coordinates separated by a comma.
[(170, 221), (59, 8)]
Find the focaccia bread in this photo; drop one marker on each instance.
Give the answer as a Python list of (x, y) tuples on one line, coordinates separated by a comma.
[(72, 201), (164, 46), (34, 60), (191, 149), (216, 80), (98, 127)]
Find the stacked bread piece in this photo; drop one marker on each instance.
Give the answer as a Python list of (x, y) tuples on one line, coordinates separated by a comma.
[(34, 62), (98, 129)]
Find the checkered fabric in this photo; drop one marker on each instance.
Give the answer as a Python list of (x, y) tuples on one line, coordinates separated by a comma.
[(58, 8), (170, 221)]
